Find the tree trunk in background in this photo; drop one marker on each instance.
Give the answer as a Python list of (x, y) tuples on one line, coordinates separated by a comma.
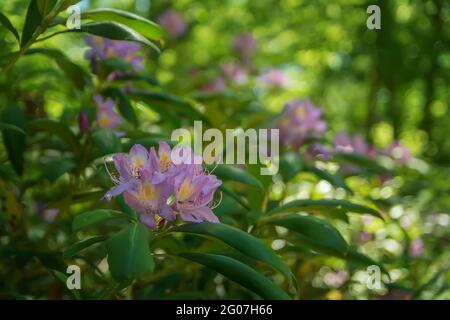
[(427, 119)]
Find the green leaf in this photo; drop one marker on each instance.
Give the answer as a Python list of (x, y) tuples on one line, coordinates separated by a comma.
[(106, 141), (241, 241), (8, 25), (325, 206), (360, 160), (32, 21), (290, 164), (45, 6), (62, 278), (355, 257), (227, 172), (145, 27), (14, 140), (7, 126), (68, 3), (161, 102), (74, 72), (124, 104), (317, 233), (129, 254), (55, 128), (116, 31), (91, 217), (334, 179), (57, 167), (81, 245), (239, 273)]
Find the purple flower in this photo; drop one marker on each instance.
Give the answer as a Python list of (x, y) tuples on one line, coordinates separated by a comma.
[(416, 248), (149, 199), (214, 86), (102, 49), (318, 151), (148, 179), (398, 152), (300, 120), (275, 78), (172, 22), (106, 116), (235, 73), (343, 142), (245, 45), (365, 236), (194, 194)]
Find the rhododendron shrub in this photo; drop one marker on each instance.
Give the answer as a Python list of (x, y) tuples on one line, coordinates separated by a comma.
[(92, 177)]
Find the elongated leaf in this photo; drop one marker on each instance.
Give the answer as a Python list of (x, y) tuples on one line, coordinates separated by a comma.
[(62, 278), (129, 254), (55, 128), (45, 6), (360, 259), (56, 168), (317, 233), (124, 104), (32, 21), (241, 241), (164, 101), (335, 179), (290, 164), (14, 140), (7, 126), (74, 72), (91, 217), (106, 141), (360, 160), (81, 245), (324, 206), (228, 172), (8, 25), (116, 31), (145, 27), (239, 273)]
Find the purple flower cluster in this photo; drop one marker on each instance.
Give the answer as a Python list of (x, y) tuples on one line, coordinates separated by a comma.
[(299, 121), (106, 116), (244, 45), (102, 49), (159, 184), (275, 78), (173, 23)]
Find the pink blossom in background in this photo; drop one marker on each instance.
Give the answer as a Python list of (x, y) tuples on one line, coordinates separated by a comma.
[(317, 151), (299, 120), (234, 73), (244, 45), (365, 236), (416, 248), (398, 152), (173, 22), (275, 78), (214, 86), (102, 49), (106, 116), (346, 143)]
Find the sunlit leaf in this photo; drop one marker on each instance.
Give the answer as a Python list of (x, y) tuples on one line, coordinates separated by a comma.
[(239, 273)]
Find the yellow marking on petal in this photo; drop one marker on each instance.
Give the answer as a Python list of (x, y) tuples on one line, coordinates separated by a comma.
[(164, 161), (138, 162), (300, 112), (103, 120), (148, 193), (186, 190)]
